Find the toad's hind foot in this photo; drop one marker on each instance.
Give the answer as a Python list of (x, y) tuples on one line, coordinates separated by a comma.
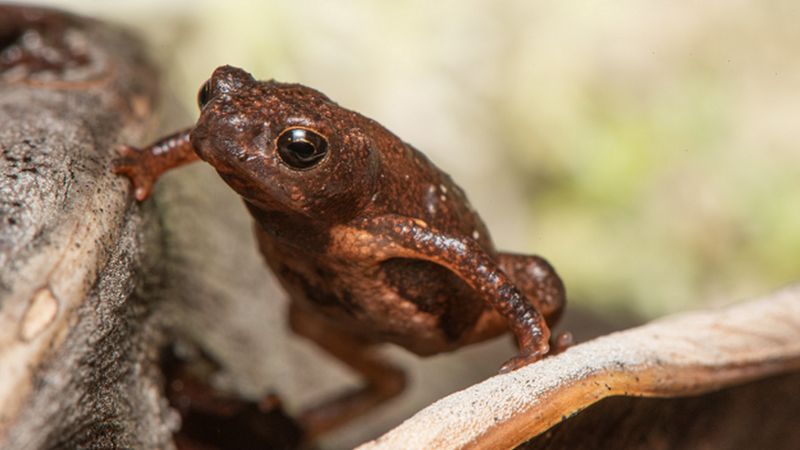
[(382, 381)]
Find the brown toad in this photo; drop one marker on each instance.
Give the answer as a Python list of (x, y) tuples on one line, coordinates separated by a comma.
[(372, 242)]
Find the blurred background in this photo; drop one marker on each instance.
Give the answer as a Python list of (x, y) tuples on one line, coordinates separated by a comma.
[(649, 150)]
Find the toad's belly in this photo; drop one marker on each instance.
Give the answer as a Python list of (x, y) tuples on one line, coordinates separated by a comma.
[(416, 304)]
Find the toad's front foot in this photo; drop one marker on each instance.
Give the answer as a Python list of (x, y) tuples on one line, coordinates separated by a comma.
[(524, 359), (144, 166), (132, 162), (560, 343)]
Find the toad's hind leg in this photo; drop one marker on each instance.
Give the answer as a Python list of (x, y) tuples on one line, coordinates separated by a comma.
[(542, 286), (382, 380), (537, 279)]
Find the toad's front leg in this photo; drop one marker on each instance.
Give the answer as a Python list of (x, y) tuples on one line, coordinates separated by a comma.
[(394, 236), (144, 166)]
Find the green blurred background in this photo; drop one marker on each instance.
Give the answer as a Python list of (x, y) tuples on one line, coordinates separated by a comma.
[(648, 149)]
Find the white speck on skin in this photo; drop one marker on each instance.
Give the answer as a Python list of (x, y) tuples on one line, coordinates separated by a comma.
[(430, 199), (538, 272), (476, 235)]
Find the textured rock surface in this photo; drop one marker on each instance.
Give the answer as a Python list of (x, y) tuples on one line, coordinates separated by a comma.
[(77, 347)]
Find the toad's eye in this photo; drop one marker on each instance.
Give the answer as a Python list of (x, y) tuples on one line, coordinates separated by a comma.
[(204, 94), (300, 148)]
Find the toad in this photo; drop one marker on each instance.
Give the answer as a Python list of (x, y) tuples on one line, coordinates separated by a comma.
[(372, 242)]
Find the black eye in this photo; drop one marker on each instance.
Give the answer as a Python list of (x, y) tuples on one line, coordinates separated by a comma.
[(204, 94), (300, 148)]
